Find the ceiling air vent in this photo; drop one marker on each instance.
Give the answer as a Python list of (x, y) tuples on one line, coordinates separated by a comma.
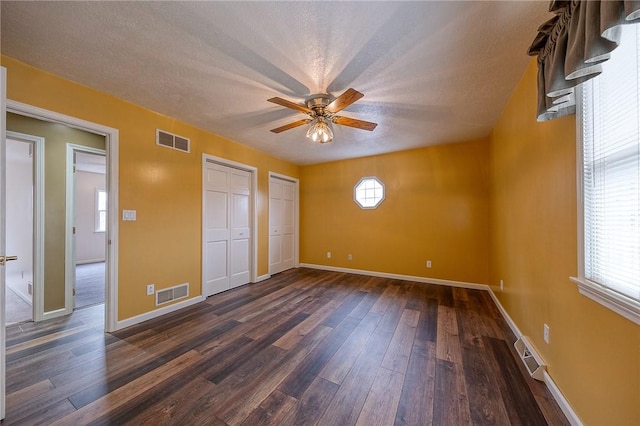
[(170, 140)]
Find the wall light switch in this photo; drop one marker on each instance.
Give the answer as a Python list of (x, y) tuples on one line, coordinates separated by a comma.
[(128, 215), (328, 255), (546, 333), (428, 264), (150, 289)]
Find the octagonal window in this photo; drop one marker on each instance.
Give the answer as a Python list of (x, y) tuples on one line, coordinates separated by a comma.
[(369, 192)]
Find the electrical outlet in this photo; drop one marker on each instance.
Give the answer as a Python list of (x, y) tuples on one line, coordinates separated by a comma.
[(428, 264), (546, 333), (501, 285), (328, 255), (150, 289), (349, 257)]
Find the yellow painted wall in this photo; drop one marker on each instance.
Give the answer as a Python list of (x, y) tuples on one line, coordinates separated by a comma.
[(436, 208), (594, 353), (56, 138), (165, 186)]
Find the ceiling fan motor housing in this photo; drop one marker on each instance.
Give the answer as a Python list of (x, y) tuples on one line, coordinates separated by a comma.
[(318, 103)]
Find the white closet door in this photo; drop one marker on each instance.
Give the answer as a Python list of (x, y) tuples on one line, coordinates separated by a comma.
[(282, 229), (239, 191), (288, 225), (227, 231)]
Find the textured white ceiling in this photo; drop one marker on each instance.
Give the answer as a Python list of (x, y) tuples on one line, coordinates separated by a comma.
[(431, 72)]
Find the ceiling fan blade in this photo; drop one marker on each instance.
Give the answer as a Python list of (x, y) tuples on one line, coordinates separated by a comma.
[(344, 100), (352, 122), (291, 125), (289, 104)]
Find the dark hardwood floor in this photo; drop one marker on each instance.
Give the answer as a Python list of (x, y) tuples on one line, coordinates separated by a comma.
[(304, 347)]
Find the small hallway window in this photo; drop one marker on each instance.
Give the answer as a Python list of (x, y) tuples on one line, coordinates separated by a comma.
[(368, 192), (101, 210)]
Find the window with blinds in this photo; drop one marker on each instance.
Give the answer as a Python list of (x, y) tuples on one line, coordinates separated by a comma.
[(610, 127)]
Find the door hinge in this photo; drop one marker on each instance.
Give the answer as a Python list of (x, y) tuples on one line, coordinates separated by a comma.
[(74, 291), (74, 230)]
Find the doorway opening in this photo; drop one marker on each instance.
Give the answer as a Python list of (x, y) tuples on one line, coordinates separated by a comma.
[(89, 201), (19, 230), (58, 299)]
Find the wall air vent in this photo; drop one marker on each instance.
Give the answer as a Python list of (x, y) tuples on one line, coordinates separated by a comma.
[(170, 140), (173, 293)]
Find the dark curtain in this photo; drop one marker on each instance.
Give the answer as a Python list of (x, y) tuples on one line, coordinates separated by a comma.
[(571, 47)]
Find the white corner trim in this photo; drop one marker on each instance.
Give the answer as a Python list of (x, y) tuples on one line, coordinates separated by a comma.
[(548, 380), (157, 312), (262, 278), (627, 307), (398, 276)]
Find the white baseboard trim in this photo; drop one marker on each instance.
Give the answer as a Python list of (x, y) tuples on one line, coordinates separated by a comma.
[(158, 312), (55, 314), (87, 261), (571, 415), (262, 278), (512, 325), (548, 380), (437, 281)]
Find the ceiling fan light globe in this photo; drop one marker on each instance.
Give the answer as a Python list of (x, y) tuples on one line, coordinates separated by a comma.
[(320, 131)]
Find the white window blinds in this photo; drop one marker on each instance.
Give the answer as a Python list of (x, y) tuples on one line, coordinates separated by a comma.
[(611, 170)]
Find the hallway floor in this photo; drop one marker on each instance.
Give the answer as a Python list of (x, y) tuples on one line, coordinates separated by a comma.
[(16, 309)]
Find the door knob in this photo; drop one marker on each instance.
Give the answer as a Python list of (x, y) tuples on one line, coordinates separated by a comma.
[(5, 259)]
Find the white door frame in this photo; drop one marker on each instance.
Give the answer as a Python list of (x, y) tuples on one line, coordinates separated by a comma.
[(111, 136), (70, 241), (253, 200), (3, 116), (296, 214), (37, 303)]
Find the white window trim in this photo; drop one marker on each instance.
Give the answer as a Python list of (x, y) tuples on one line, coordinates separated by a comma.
[(355, 193), (622, 305), (96, 224)]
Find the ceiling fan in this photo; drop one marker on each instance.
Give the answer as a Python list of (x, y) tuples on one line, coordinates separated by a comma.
[(322, 109)]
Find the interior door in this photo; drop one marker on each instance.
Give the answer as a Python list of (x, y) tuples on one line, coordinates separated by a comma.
[(227, 231), (3, 115), (282, 229), (239, 254)]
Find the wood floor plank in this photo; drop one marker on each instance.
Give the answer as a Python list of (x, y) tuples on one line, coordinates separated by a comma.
[(416, 399), (450, 404), (102, 406), (305, 347), (272, 410), (382, 401), (347, 403), (253, 391), (397, 356), (296, 334), (448, 342), (483, 391), (342, 361), (312, 404), (521, 405), (175, 408), (243, 355)]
